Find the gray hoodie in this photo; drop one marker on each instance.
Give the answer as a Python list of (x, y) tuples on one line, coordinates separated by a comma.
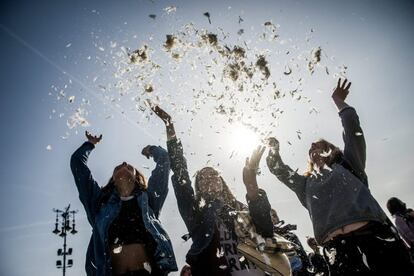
[(337, 196)]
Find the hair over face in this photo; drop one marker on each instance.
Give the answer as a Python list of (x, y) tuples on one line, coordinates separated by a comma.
[(335, 154)]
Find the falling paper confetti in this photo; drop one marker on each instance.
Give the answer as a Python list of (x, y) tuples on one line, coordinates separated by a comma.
[(170, 9)]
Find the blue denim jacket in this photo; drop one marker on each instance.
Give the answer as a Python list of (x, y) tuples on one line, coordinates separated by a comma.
[(100, 217)]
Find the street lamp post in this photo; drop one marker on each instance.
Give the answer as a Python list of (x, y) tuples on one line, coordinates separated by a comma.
[(65, 216)]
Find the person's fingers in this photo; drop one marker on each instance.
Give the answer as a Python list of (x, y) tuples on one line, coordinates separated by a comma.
[(262, 151), (339, 83), (344, 83), (349, 85), (274, 145), (257, 150), (252, 157), (272, 141)]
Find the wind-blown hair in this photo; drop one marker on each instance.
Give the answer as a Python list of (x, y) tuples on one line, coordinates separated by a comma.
[(335, 156)]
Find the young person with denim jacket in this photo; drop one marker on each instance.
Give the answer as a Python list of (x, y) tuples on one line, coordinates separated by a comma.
[(127, 236), (358, 238)]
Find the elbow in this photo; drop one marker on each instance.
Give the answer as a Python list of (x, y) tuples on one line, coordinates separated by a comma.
[(76, 162)]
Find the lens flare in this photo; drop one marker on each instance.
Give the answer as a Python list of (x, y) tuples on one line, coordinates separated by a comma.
[(243, 140)]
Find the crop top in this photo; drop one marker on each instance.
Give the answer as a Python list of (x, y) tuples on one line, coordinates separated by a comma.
[(128, 227)]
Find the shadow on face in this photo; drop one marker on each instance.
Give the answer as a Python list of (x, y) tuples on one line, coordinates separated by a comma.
[(208, 182), (124, 173), (321, 152)]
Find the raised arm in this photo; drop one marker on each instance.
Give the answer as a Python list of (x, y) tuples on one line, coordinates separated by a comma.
[(158, 181), (259, 206), (180, 178), (355, 146), (283, 172), (88, 189)]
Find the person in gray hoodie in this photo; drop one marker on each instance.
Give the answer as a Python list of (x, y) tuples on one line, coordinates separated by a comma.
[(357, 236)]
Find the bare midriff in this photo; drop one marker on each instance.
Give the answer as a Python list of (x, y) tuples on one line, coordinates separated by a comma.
[(346, 230), (131, 257)]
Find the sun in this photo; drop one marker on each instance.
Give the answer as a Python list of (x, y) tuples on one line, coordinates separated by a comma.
[(243, 140)]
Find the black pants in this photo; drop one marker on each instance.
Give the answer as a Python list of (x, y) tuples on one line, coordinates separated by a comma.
[(373, 250)]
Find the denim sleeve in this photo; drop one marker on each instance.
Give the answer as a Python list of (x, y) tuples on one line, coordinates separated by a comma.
[(158, 181), (88, 189)]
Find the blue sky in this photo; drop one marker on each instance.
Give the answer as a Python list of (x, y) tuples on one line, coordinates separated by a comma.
[(46, 44)]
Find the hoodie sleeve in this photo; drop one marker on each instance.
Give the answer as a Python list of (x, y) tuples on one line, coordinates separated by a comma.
[(88, 189), (353, 136), (182, 183), (289, 177), (260, 212), (158, 181)]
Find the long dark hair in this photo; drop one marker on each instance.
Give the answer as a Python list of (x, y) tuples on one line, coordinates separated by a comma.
[(229, 198), (396, 206)]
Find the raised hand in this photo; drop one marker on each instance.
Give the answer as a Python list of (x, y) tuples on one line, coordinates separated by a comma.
[(164, 116), (93, 139), (273, 144), (273, 155), (340, 93), (250, 170), (254, 160)]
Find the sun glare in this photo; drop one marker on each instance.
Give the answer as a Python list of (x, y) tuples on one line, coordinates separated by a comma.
[(243, 140)]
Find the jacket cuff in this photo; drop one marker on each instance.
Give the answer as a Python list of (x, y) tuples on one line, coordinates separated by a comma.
[(261, 202), (344, 109), (88, 145)]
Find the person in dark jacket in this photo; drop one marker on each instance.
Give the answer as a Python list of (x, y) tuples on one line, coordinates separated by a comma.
[(317, 260), (403, 219), (358, 238), (207, 211), (127, 237)]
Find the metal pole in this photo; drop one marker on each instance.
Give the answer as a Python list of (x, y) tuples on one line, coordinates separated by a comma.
[(65, 224), (64, 248), (63, 233)]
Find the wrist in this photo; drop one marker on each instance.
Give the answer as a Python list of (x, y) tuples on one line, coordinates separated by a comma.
[(339, 102), (91, 143), (252, 194), (170, 132), (250, 181)]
